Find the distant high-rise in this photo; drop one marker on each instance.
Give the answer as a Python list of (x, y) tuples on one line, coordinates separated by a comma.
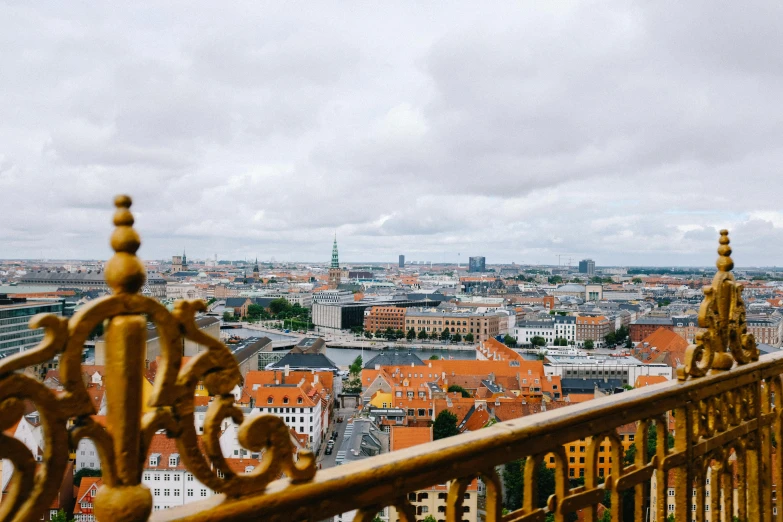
[(477, 264), (587, 266), (402, 261)]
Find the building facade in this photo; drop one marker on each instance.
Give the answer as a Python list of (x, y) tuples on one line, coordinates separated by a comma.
[(481, 325), (15, 314), (402, 261), (592, 328), (477, 264), (383, 317), (587, 266)]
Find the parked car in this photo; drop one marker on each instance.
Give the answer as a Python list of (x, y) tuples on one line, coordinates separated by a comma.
[(328, 450), (339, 419), (334, 435)]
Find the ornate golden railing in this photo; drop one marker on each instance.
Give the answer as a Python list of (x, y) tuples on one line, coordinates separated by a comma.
[(725, 408)]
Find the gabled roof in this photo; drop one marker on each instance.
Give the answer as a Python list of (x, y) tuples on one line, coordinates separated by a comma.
[(304, 361), (394, 358)]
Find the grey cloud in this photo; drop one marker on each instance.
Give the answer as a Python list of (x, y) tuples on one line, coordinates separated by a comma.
[(627, 132)]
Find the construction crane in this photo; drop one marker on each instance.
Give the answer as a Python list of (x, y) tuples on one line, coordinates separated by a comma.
[(563, 255)]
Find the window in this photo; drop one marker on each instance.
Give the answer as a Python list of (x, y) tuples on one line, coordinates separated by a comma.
[(203, 492), (269, 400), (176, 492), (190, 492), (156, 477), (166, 492), (189, 476), (166, 477), (299, 400), (156, 492)]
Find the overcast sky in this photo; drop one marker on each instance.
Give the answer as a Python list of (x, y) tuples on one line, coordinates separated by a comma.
[(626, 133)]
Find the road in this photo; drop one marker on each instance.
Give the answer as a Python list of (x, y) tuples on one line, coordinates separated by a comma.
[(328, 461)]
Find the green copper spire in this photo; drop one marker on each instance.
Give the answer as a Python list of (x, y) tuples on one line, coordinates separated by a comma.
[(335, 260)]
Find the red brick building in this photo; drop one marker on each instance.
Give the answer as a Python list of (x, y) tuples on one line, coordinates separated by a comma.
[(383, 317), (645, 326)]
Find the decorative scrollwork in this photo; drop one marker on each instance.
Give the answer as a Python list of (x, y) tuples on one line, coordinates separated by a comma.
[(722, 313), (124, 443)]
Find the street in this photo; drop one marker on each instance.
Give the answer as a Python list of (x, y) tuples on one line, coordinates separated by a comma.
[(328, 461)]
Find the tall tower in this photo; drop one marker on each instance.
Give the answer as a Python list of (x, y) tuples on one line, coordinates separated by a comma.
[(334, 268), (184, 260), (256, 273)]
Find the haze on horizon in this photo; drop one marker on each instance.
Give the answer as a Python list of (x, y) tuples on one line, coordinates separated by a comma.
[(627, 132)]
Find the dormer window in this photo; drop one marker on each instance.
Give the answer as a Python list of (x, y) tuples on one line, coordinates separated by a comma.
[(269, 400), (285, 400), (154, 459), (299, 400), (173, 459), (248, 469)]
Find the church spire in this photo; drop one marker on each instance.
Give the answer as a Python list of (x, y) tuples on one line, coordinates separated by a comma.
[(335, 258)]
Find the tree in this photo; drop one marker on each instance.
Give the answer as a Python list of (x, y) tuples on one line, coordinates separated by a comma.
[(456, 338), (422, 335), (399, 334), (60, 517), (411, 335), (510, 341), (279, 305), (554, 280), (429, 518), (512, 480), (389, 333), (434, 335), (460, 389), (379, 334), (434, 357), (637, 280), (538, 341), (561, 341), (445, 425), (368, 334), (589, 344), (445, 335), (254, 312), (85, 472), (228, 317), (611, 339), (356, 366), (469, 338)]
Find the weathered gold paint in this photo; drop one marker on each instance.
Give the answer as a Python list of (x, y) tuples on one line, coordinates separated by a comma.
[(726, 407)]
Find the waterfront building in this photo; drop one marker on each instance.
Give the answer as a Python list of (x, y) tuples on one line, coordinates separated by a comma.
[(434, 320), (623, 368), (383, 317)]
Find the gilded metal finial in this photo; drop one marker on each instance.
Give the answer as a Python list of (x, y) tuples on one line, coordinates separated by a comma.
[(124, 272), (722, 313)]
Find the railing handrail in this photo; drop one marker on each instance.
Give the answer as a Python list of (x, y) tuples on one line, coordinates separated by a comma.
[(388, 475)]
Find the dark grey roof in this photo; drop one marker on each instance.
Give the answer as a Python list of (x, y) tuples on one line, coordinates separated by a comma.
[(394, 358), (305, 361), (653, 320), (437, 296), (589, 385), (563, 319), (205, 321), (764, 349), (235, 301), (248, 348), (309, 345)]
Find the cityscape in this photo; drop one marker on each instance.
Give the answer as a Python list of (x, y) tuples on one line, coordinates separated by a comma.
[(391, 262), (379, 357)]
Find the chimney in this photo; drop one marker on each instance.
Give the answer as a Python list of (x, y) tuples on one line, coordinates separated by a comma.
[(286, 371), (315, 378), (377, 366)]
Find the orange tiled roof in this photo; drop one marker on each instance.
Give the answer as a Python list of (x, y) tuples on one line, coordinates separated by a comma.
[(647, 380), (404, 437)]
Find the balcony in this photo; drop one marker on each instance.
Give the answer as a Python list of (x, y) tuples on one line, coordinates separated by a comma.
[(715, 430)]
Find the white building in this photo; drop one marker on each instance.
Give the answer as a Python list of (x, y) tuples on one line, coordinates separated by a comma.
[(332, 297), (303, 412), (625, 367), (168, 480)]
